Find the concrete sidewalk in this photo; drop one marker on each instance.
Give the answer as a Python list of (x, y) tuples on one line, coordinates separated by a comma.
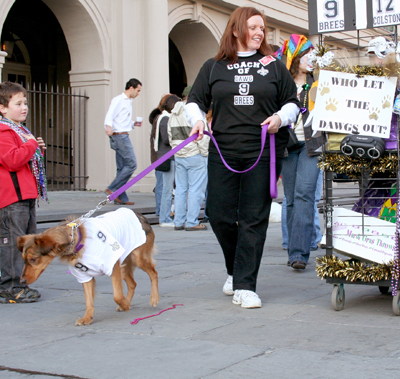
[(296, 334)]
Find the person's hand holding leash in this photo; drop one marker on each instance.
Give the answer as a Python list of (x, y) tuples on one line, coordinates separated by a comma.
[(274, 122), (198, 128)]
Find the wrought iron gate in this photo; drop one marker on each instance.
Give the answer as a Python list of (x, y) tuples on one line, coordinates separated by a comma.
[(59, 117)]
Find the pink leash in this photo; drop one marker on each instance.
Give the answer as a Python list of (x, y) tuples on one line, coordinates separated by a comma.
[(136, 320)]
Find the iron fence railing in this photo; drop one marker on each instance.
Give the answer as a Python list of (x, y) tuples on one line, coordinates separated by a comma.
[(59, 117)]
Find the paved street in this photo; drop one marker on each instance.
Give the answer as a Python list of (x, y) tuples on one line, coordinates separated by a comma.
[(296, 334)]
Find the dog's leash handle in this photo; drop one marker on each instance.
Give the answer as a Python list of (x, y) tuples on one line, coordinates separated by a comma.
[(273, 188)]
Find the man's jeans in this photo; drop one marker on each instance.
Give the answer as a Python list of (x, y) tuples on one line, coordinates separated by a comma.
[(166, 198), (158, 191), (126, 163), (317, 236), (299, 176), (191, 184), (16, 220)]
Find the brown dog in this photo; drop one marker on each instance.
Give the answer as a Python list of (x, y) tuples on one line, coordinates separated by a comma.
[(109, 232)]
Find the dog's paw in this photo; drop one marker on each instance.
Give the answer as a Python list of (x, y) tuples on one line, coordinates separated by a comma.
[(84, 321), (123, 305), (154, 300), (123, 309)]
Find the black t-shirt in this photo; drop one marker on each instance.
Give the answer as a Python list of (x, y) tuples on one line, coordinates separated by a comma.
[(242, 95)]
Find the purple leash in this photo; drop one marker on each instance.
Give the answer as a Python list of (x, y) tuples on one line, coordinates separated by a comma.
[(273, 184), (152, 167)]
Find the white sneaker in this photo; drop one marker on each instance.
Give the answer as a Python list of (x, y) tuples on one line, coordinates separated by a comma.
[(248, 299), (167, 224), (227, 289)]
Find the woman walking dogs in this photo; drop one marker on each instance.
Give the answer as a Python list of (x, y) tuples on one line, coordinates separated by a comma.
[(246, 87)]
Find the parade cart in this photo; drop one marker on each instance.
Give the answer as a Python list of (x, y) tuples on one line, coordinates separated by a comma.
[(354, 241), (354, 110)]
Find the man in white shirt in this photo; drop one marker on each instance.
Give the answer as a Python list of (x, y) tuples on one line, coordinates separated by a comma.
[(118, 123)]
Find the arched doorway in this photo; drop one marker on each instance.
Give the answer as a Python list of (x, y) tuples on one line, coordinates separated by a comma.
[(195, 44), (177, 72), (40, 57)]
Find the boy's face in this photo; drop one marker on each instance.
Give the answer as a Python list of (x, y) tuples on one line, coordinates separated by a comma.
[(17, 108)]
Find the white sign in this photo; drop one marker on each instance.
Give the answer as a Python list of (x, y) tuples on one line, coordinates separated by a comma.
[(385, 12), (375, 241), (330, 15), (351, 105)]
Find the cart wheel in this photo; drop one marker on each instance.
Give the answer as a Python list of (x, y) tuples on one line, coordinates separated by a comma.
[(396, 304), (338, 297), (383, 290)]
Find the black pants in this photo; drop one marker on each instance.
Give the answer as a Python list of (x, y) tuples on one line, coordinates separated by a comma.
[(16, 220), (238, 206)]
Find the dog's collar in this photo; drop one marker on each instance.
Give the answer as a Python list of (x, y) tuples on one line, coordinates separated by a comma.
[(79, 245)]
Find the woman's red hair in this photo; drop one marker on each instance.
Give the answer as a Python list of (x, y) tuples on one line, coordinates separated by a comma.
[(238, 23)]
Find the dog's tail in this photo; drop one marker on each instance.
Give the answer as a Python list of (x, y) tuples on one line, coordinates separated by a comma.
[(149, 234), (145, 224)]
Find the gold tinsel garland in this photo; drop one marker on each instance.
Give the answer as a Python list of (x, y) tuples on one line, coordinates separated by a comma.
[(352, 270), (387, 69), (353, 167)]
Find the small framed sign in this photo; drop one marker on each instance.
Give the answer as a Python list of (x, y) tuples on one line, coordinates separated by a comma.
[(331, 16), (384, 13), (373, 241), (349, 104)]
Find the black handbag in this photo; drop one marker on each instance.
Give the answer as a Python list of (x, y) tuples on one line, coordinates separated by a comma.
[(367, 147), (165, 166)]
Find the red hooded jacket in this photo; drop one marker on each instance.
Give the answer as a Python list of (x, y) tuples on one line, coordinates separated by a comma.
[(16, 179)]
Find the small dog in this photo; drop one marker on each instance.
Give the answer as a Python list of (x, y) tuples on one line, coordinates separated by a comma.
[(112, 244)]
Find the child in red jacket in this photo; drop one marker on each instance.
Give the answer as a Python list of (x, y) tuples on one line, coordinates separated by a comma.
[(22, 179)]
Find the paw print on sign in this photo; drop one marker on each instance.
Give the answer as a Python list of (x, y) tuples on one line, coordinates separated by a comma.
[(385, 102), (325, 89), (373, 114), (331, 105)]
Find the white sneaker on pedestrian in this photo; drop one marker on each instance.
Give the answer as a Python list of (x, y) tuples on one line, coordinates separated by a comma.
[(227, 289), (247, 299), (167, 224)]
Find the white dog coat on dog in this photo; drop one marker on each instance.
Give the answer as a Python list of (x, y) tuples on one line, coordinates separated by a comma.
[(109, 238)]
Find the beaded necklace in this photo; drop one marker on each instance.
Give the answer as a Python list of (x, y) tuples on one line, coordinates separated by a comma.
[(36, 162), (303, 109)]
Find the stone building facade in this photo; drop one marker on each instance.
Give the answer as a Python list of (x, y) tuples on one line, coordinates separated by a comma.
[(97, 45)]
